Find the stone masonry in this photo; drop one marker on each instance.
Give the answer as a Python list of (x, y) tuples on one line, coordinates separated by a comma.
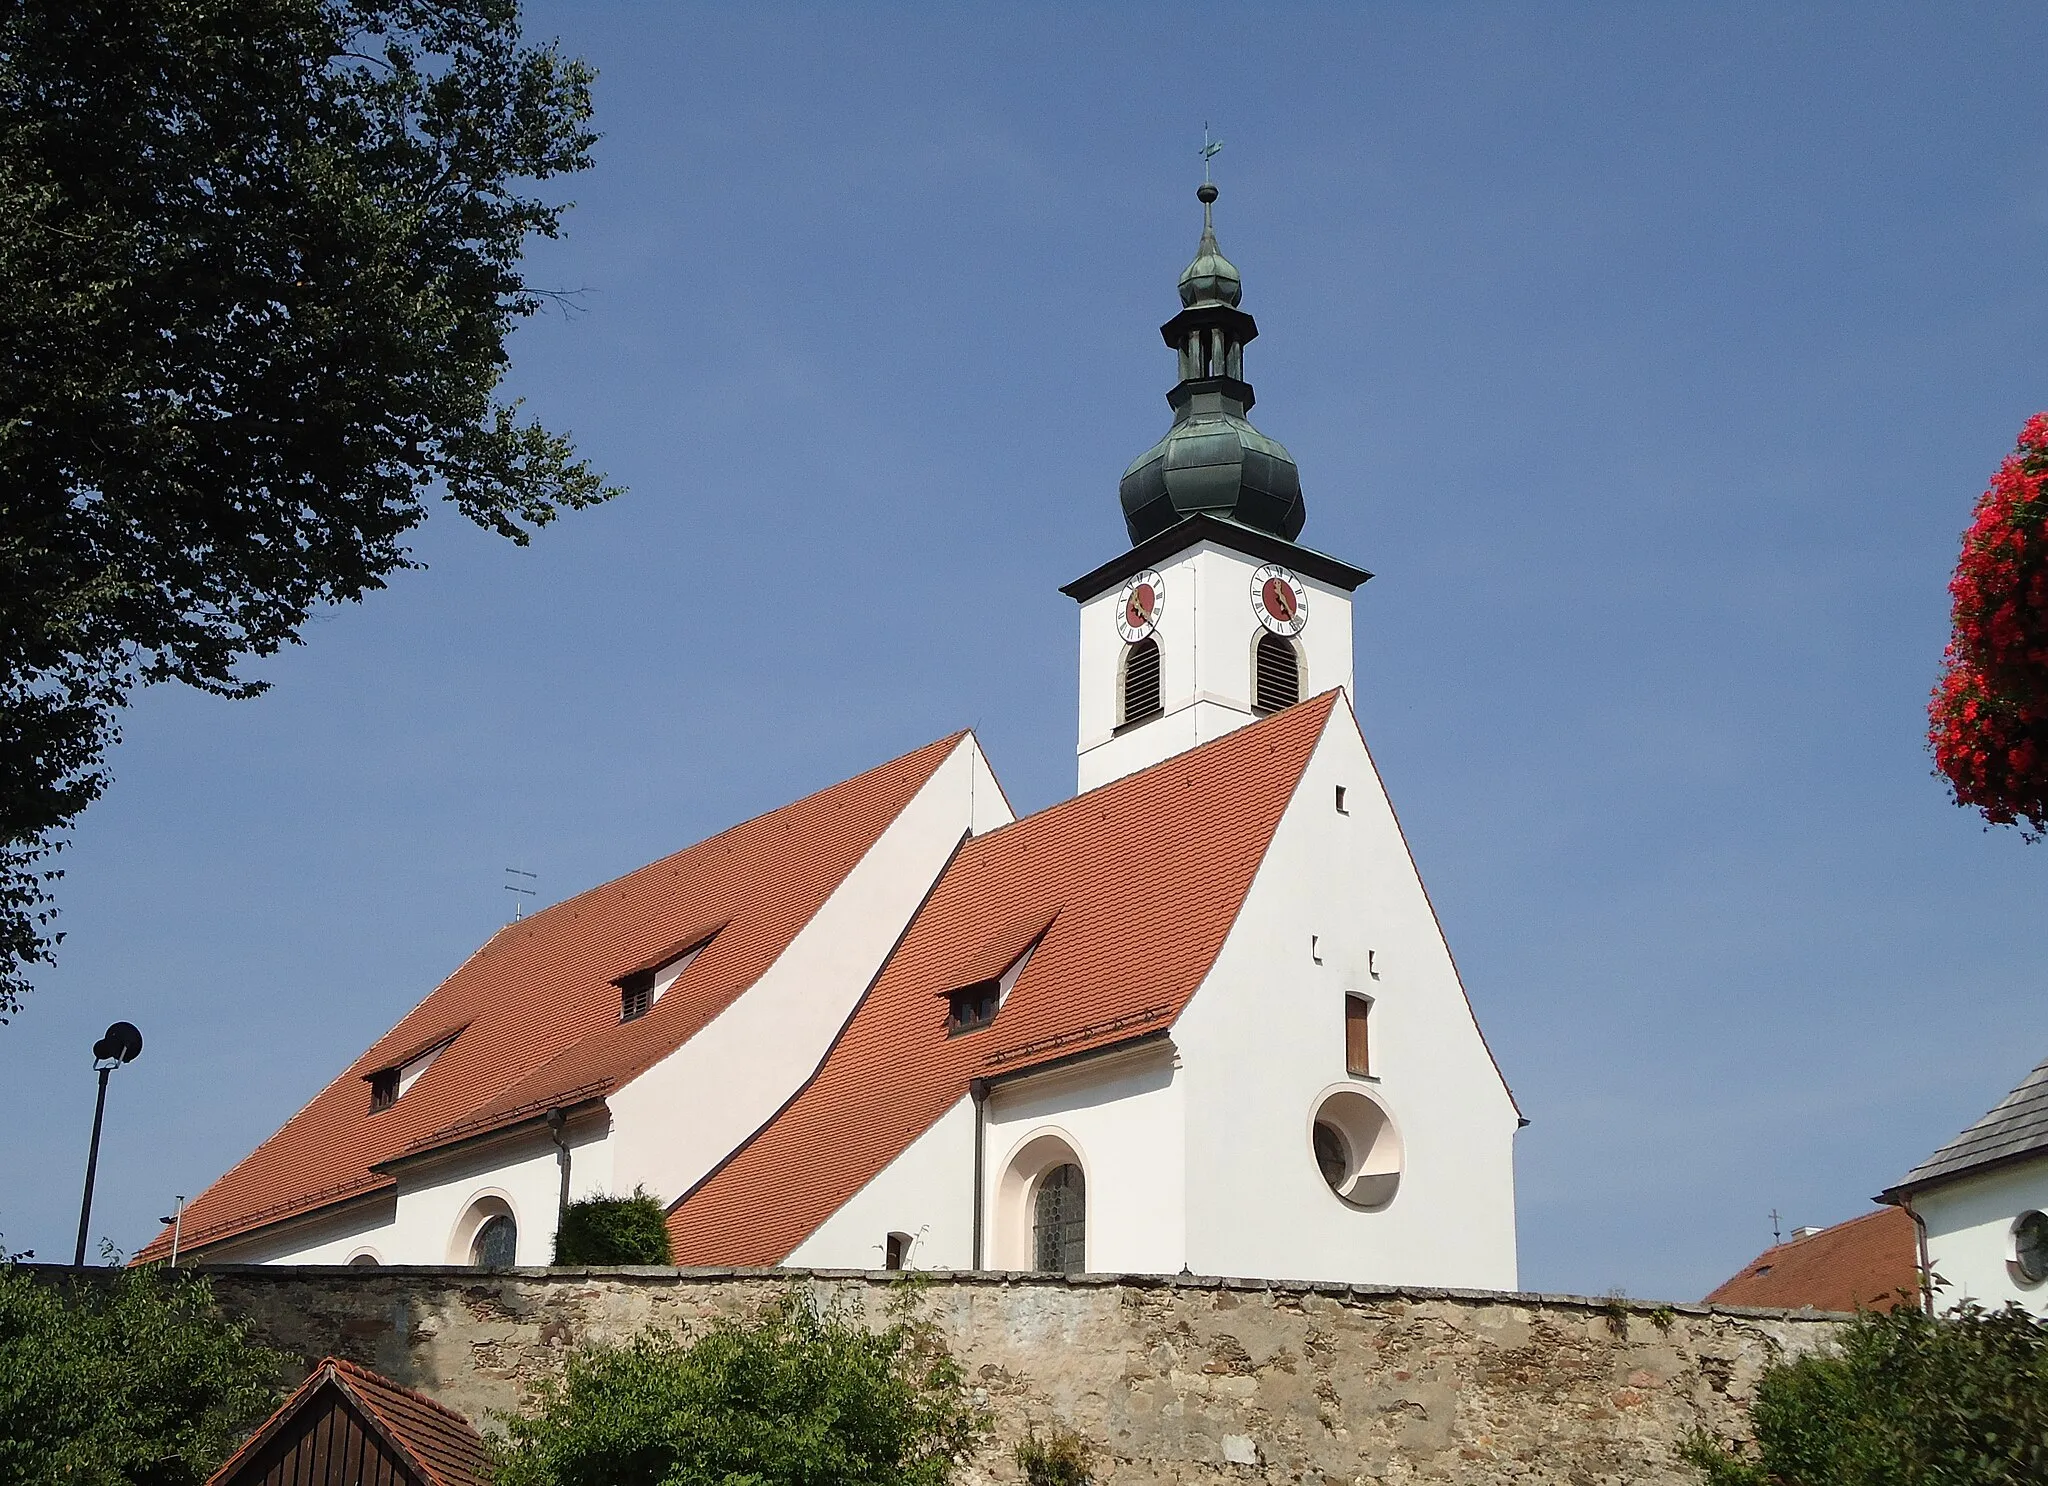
[(1169, 1380)]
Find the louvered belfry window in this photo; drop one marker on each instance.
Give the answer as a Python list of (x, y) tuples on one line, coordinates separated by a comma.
[(1059, 1229), (1141, 681), (1279, 674)]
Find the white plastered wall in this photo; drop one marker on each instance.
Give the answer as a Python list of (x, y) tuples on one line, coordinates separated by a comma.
[(1206, 631), (420, 1226), (1969, 1234), (926, 1192), (679, 1119), (1263, 1039), (1120, 1117)]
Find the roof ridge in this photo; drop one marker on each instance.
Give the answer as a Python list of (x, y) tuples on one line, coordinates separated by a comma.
[(377, 1378), (952, 739), (1293, 715)]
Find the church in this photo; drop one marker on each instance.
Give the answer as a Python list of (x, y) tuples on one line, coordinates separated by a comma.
[(1198, 1017)]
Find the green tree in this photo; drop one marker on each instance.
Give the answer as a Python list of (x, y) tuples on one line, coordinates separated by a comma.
[(260, 261), (613, 1230), (129, 1378), (800, 1394), (1903, 1399)]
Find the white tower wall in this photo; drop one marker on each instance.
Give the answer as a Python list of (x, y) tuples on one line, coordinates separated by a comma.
[(1206, 629)]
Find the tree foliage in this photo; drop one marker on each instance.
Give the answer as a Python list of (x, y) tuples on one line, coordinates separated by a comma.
[(260, 262), (128, 1378), (1988, 720), (613, 1230), (1903, 1399), (799, 1394)]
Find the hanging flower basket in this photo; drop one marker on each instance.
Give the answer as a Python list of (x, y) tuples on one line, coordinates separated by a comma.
[(1988, 719)]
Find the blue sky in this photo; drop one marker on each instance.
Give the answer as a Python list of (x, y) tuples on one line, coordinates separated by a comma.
[(1651, 357)]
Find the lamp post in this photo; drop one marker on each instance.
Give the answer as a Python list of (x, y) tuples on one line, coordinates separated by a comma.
[(119, 1046)]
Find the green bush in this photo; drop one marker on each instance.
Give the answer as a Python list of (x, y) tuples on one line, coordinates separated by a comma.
[(797, 1396), (126, 1378), (1059, 1459), (613, 1230), (1903, 1399)]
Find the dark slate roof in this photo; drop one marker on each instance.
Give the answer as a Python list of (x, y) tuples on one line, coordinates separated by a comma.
[(2017, 1126)]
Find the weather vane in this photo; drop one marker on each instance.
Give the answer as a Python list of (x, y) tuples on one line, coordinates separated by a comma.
[(1209, 149)]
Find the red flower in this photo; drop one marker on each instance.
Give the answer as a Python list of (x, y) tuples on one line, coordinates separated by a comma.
[(1988, 717)]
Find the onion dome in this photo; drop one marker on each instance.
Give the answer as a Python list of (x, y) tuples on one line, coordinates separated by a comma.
[(1212, 461)]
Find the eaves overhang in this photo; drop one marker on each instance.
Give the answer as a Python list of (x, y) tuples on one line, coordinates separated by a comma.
[(1238, 538), (460, 1139)]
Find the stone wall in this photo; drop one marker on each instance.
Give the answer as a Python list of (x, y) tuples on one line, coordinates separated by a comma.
[(1171, 1380)]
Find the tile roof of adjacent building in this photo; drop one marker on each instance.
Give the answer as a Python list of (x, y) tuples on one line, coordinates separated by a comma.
[(538, 1010), (440, 1443), (1139, 881), (1862, 1264), (2017, 1127)]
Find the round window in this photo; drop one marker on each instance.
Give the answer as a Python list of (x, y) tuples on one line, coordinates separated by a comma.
[(1332, 1155), (2030, 1247), (1356, 1148)]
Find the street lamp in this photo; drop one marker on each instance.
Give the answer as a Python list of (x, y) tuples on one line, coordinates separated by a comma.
[(119, 1046)]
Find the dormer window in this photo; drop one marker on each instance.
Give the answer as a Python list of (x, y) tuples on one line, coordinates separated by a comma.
[(639, 990), (972, 1007), (389, 1083)]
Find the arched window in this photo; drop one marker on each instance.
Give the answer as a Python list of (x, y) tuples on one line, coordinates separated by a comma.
[(1059, 1228), (496, 1243), (1140, 693), (1277, 673), (364, 1260)]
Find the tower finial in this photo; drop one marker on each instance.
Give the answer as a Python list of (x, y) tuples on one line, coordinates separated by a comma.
[(1209, 149)]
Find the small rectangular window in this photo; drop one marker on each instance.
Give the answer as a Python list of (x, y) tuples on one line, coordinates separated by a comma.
[(636, 995), (1340, 801), (894, 1251), (383, 1089), (973, 1007), (1357, 1038)]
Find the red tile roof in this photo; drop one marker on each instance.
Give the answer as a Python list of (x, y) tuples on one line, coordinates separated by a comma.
[(538, 1010), (439, 1442), (1140, 879), (1862, 1264)]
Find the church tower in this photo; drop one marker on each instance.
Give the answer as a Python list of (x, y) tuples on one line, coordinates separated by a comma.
[(1215, 617)]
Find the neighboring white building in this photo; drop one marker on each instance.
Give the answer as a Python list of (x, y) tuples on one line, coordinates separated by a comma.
[(1981, 1202), (1201, 1016)]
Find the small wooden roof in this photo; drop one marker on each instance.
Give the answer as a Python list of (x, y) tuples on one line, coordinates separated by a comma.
[(348, 1426)]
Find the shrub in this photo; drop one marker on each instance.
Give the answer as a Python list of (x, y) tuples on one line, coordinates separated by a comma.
[(1903, 1399), (613, 1230), (799, 1394), (129, 1378), (1060, 1459)]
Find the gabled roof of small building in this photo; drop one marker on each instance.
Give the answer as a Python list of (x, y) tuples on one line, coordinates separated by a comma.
[(1863, 1264), (437, 1443), (2016, 1128), (1128, 890), (534, 1013)]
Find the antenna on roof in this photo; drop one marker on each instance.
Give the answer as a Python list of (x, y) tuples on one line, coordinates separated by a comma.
[(518, 903), (1776, 1236)]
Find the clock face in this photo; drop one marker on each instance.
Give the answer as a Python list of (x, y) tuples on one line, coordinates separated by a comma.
[(1279, 600), (1139, 615)]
